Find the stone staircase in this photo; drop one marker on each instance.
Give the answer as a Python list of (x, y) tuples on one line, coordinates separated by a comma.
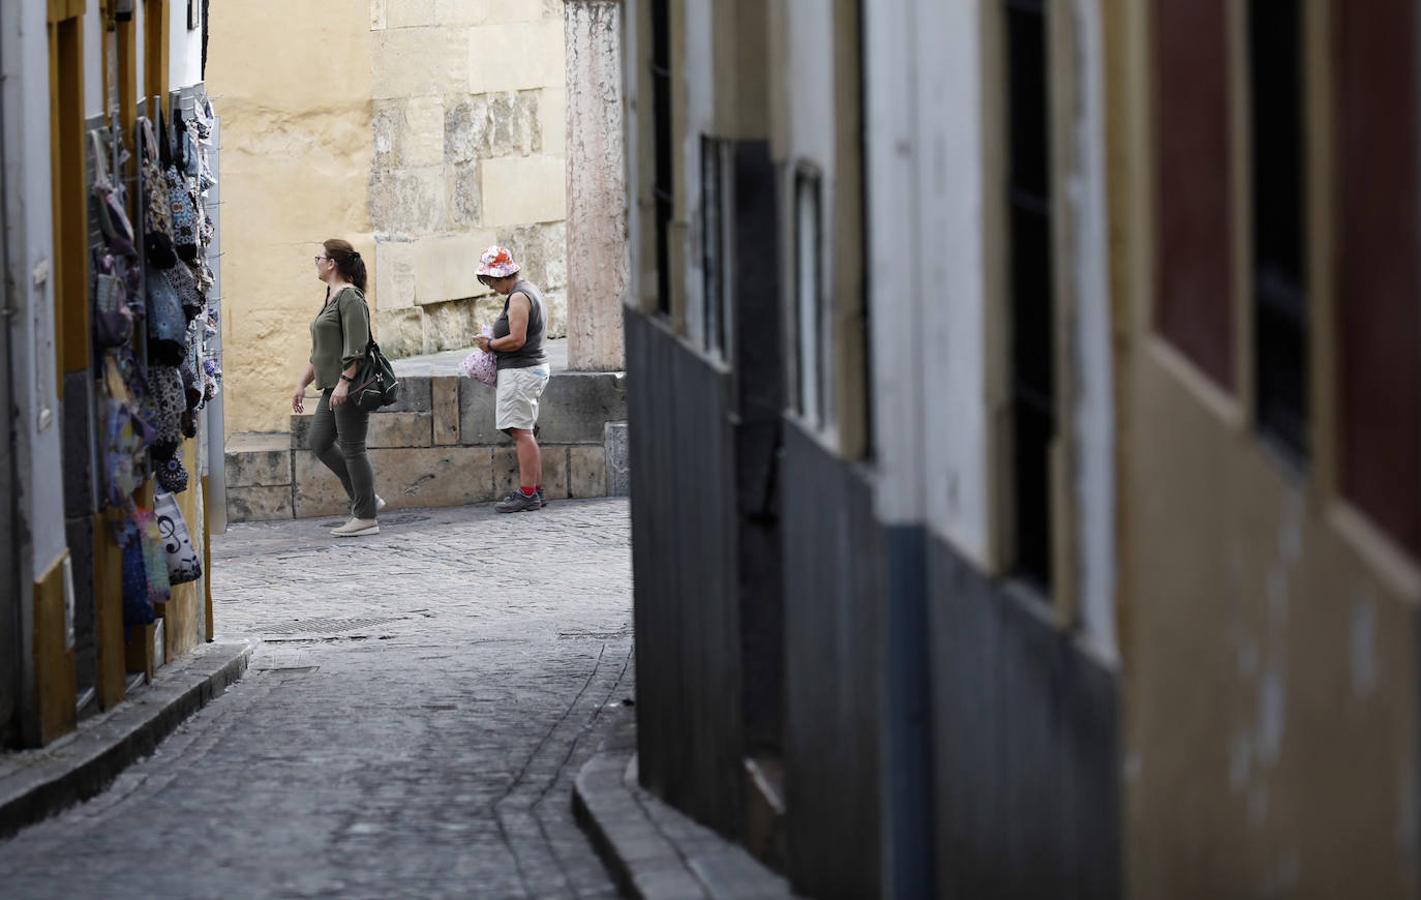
[(438, 447)]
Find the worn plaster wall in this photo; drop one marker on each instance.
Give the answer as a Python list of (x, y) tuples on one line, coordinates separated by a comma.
[(422, 131), (1271, 703), (469, 131), (296, 162)]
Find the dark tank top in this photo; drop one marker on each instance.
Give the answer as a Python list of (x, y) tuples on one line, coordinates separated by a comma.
[(531, 353)]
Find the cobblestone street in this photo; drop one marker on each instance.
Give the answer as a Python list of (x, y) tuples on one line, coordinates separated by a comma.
[(410, 725)]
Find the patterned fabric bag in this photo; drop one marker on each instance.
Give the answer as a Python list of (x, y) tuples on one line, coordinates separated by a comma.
[(185, 222), (113, 218), (137, 607), (157, 213), (113, 321), (481, 365), (166, 386), (182, 560), (167, 325), (171, 473), (184, 284), (155, 562)]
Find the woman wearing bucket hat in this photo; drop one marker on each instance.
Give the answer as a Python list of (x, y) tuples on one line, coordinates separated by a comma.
[(517, 345)]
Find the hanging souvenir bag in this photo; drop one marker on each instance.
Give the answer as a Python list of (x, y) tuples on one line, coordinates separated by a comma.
[(481, 365), (113, 321), (157, 214), (184, 284), (183, 562), (167, 326), (185, 224), (137, 607), (113, 218), (155, 561), (184, 216)]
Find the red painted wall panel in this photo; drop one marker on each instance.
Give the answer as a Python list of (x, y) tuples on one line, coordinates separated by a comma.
[(1194, 257), (1379, 286)]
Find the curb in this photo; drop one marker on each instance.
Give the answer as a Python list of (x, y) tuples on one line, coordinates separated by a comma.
[(81, 765), (653, 851)]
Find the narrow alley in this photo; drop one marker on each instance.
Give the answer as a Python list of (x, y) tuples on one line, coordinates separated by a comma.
[(409, 726)]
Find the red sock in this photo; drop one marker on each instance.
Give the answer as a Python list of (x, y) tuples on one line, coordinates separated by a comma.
[(527, 491)]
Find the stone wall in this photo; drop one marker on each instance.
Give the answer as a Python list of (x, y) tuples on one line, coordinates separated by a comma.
[(295, 164), (469, 135), (422, 131), (437, 447)]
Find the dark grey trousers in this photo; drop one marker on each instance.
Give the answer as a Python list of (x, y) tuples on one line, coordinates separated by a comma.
[(338, 440)]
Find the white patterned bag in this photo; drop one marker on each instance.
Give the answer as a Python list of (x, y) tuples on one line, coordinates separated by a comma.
[(481, 365), (183, 563)]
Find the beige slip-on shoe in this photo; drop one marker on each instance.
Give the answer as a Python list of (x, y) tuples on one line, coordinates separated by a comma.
[(357, 528)]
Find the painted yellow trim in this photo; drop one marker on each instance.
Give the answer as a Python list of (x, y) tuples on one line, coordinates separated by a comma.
[(1221, 402), (70, 200), (1321, 245), (53, 659), (156, 16), (1241, 207), (1391, 563), (995, 263), (111, 684)]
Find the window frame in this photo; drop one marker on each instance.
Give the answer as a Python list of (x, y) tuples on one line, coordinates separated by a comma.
[(815, 410)]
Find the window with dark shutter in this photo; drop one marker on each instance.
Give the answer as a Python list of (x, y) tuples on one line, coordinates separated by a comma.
[(663, 185), (713, 244), (811, 382), (1280, 302), (1033, 358)]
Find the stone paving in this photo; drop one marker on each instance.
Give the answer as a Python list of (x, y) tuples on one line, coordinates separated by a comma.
[(411, 724)]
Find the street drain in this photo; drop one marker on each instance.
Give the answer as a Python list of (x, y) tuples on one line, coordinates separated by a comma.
[(327, 626), (590, 635)]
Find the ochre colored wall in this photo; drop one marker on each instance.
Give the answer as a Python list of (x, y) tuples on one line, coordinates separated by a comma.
[(293, 85), (1270, 670)]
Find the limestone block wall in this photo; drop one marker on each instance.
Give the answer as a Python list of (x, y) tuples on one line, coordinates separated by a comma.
[(469, 132), (295, 164), (422, 131), (437, 447)]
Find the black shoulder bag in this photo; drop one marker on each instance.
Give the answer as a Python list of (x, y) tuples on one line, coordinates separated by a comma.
[(375, 384)]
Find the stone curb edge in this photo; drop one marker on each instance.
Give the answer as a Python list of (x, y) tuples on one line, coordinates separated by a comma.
[(85, 765), (647, 863)]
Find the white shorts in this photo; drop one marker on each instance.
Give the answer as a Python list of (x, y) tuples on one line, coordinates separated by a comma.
[(517, 396)]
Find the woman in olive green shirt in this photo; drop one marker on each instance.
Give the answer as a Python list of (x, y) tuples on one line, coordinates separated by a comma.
[(339, 335)]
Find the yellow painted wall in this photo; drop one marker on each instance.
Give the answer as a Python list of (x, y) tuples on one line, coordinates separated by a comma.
[(420, 131), (54, 659), (1271, 671), (293, 85)]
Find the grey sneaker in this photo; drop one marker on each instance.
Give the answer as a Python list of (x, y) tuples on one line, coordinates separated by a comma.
[(542, 501), (518, 502)]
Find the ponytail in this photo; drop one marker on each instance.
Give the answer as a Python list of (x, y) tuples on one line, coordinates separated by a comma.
[(348, 261)]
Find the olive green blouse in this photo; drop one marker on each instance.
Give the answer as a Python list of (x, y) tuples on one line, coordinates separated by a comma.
[(334, 349)]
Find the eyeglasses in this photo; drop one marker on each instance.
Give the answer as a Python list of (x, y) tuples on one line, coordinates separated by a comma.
[(320, 259)]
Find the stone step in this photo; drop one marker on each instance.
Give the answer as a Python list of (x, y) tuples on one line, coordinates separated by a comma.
[(574, 408), (438, 447)]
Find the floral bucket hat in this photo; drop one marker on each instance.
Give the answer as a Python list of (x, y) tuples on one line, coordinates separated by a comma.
[(497, 262)]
